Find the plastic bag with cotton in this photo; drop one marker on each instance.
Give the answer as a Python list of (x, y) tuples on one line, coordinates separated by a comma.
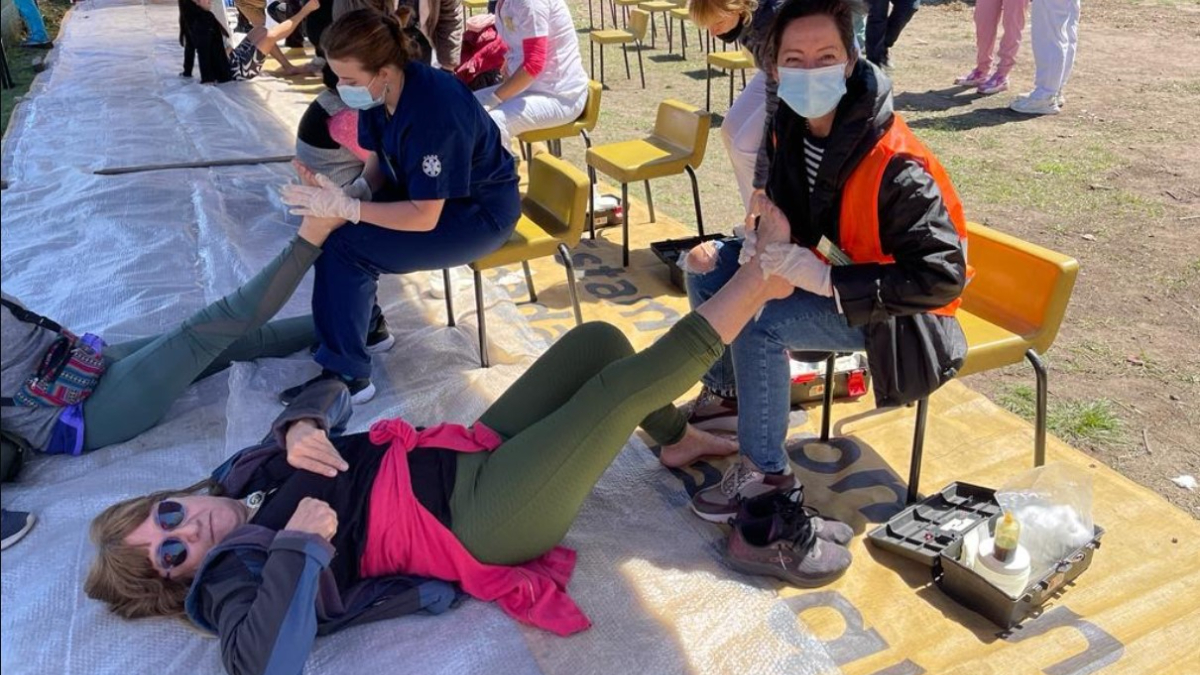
[(1053, 503)]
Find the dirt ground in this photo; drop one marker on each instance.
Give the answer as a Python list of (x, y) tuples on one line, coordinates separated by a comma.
[(1114, 181)]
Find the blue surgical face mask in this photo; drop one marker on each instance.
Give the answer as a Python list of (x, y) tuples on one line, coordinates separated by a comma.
[(812, 92), (359, 97)]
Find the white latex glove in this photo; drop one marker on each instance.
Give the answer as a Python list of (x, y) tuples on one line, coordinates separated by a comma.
[(749, 243), (359, 189), (800, 266), (326, 201)]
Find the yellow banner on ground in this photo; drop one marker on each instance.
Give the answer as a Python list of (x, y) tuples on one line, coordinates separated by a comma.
[(1131, 612)]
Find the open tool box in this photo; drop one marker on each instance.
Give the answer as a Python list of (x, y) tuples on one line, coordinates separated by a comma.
[(931, 532)]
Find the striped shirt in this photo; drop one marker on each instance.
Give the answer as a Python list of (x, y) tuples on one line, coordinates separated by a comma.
[(812, 161)]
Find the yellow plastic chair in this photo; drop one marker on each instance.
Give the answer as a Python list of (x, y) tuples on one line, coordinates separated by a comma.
[(732, 61), (473, 5), (653, 7), (552, 219), (677, 144), (1011, 312), (581, 126), (614, 36), (680, 13)]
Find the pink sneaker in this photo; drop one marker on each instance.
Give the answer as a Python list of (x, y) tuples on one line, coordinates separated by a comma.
[(994, 85), (972, 79)]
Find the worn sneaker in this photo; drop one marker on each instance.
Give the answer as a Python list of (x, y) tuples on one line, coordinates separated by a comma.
[(786, 548), (994, 85), (972, 79), (1029, 105), (13, 526), (712, 412), (361, 388), (791, 505), (719, 503)]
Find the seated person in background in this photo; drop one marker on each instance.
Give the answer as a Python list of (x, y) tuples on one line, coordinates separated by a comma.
[(203, 37), (138, 381), (544, 84), (303, 534)]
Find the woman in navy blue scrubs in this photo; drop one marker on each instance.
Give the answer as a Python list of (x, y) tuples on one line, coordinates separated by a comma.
[(439, 188)]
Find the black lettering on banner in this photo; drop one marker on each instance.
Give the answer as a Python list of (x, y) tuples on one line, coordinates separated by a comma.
[(669, 317), (1102, 650), (709, 476), (621, 289), (857, 642), (878, 512)]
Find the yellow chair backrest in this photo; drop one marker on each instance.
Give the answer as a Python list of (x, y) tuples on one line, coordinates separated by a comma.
[(684, 126), (639, 20), (1018, 286), (557, 197), (591, 109)]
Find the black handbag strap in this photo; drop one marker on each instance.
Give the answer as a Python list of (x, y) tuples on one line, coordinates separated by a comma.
[(27, 316)]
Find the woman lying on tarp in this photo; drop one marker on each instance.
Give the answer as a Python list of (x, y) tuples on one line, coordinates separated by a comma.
[(304, 534)]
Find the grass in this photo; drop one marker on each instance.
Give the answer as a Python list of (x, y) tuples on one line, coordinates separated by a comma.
[(20, 61), (1086, 422)]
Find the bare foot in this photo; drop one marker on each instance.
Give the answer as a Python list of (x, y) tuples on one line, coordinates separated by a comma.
[(694, 445)]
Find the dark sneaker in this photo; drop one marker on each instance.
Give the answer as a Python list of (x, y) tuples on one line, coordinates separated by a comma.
[(361, 388), (786, 548), (712, 412), (13, 526), (719, 503), (790, 505), (379, 338)]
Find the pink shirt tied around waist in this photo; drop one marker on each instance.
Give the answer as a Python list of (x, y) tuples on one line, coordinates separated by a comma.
[(405, 538)]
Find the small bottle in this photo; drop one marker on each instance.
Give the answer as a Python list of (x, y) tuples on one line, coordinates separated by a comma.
[(1008, 534)]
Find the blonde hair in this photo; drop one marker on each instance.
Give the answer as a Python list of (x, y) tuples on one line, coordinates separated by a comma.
[(705, 13), (121, 575)]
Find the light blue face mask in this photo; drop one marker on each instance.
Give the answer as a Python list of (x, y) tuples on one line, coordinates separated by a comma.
[(359, 97), (812, 92)]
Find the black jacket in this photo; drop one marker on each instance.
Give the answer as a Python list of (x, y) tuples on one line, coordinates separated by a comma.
[(911, 352)]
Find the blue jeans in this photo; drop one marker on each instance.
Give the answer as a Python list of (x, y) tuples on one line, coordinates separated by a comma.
[(347, 273), (756, 369), (32, 17)]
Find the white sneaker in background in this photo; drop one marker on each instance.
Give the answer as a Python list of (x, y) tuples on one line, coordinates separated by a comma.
[(1028, 105)]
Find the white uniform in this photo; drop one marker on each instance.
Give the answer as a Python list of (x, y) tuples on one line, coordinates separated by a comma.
[(558, 93), (1055, 34)]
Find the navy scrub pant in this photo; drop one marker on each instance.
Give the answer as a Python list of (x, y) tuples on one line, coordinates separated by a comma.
[(884, 27), (347, 273)]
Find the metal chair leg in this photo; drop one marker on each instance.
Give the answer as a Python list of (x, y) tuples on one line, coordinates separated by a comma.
[(592, 56), (625, 225), (587, 140), (731, 78), (483, 351), (529, 281), (1039, 438), (625, 51), (592, 202), (641, 69), (650, 200), (708, 90), (827, 408), (683, 39), (449, 298), (591, 23), (696, 198), (570, 265), (914, 470)]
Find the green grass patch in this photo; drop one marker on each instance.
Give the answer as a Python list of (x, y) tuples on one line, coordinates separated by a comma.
[(20, 61), (1087, 422)]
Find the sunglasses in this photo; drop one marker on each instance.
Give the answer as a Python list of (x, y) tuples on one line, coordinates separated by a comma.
[(171, 552)]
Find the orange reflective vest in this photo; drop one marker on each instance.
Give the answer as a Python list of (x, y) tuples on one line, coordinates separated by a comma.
[(859, 225)]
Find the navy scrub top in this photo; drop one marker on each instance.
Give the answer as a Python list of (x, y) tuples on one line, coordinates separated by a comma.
[(439, 144)]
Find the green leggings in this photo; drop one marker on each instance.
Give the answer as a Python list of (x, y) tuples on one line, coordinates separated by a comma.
[(144, 377), (563, 422)]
